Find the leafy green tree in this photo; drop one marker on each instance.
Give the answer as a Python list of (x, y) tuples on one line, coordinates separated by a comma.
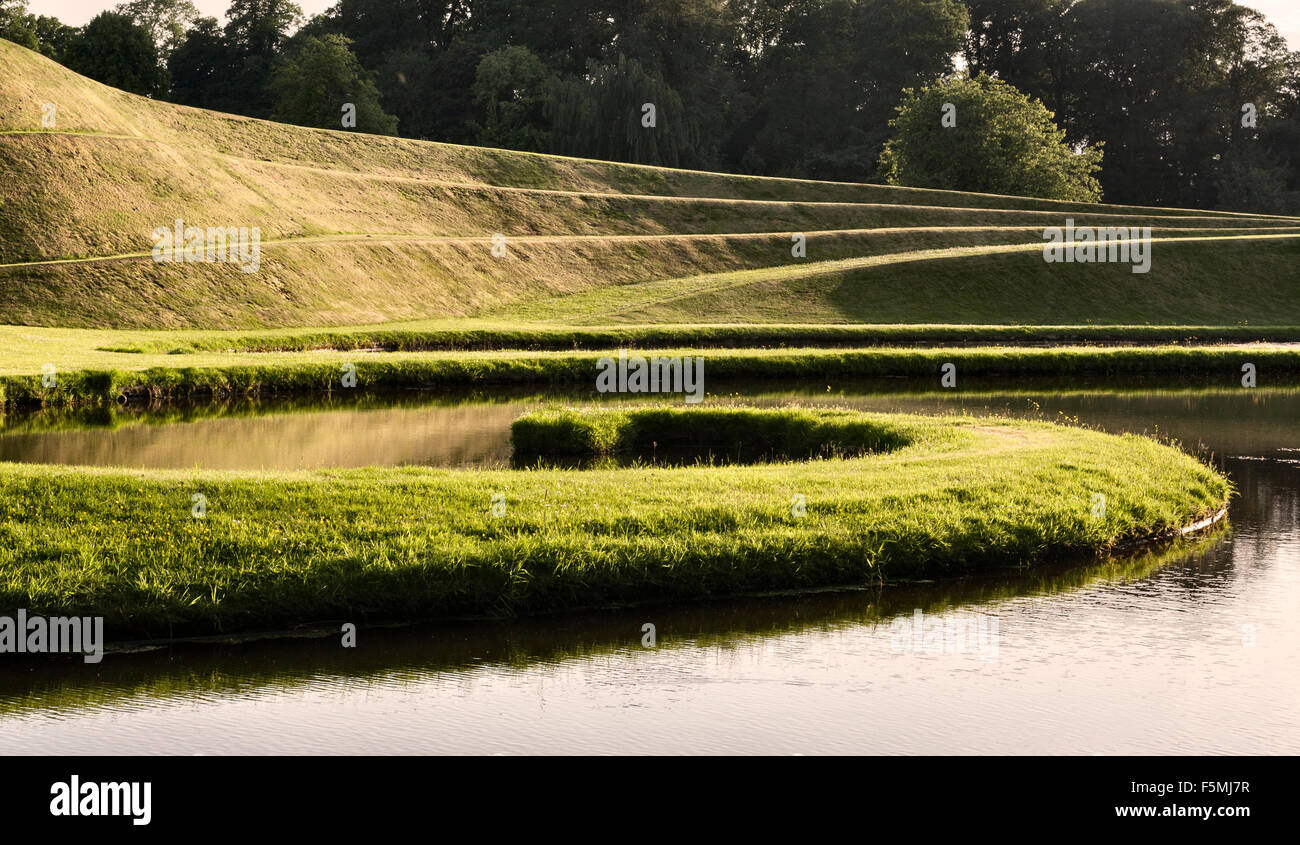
[(565, 34), (1001, 142), (16, 24), (1021, 41), (115, 51), (48, 35), (53, 37), (1249, 179), (203, 68), (166, 21), (510, 85), (312, 86), (687, 44), (260, 27), (827, 74), (379, 26), (431, 92), (1279, 135), (1161, 82), (603, 115), (255, 34)]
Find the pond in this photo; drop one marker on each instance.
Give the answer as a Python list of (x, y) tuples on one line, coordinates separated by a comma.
[(1189, 650)]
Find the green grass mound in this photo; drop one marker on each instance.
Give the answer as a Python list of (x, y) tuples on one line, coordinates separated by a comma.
[(277, 549), (712, 435)]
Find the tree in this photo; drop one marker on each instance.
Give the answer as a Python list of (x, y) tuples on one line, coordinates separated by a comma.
[(260, 27), (1248, 179), (510, 84), (1279, 135), (313, 85), (1018, 40), (53, 37), (117, 52), (603, 115), (827, 74), (16, 24), (1002, 142), (379, 26), (431, 93), (686, 43), (48, 35), (166, 21), (1161, 82), (255, 33), (203, 68)]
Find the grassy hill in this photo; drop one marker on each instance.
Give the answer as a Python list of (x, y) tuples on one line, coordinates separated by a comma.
[(359, 229)]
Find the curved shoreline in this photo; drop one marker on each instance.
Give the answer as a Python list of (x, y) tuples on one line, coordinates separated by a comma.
[(319, 372), (319, 629), (954, 496), (1199, 527)]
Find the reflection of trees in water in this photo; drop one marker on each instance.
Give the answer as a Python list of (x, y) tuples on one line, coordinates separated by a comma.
[(1267, 507), (463, 427)]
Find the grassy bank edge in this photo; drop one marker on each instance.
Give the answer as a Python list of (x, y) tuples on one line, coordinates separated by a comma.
[(285, 548), (324, 373), (561, 338)]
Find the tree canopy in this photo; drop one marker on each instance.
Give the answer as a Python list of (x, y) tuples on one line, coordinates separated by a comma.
[(1195, 101), (119, 52), (322, 83), (981, 134)]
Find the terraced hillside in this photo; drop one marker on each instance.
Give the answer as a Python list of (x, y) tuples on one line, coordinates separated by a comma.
[(363, 229)]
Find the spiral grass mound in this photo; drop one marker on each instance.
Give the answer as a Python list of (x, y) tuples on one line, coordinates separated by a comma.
[(873, 497)]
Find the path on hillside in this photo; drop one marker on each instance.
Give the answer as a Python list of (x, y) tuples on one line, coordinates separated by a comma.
[(388, 238)]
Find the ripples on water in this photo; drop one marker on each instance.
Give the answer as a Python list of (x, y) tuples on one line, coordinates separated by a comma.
[(1195, 651)]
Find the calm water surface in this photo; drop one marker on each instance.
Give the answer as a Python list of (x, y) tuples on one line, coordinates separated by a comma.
[(1191, 650)]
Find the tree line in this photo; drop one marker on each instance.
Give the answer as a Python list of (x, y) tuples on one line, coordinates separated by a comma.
[(1178, 102)]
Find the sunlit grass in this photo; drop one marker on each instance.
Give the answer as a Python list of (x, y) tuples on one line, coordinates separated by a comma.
[(275, 549)]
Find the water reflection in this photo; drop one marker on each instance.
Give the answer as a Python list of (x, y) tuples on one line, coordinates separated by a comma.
[(146, 671), (466, 429)]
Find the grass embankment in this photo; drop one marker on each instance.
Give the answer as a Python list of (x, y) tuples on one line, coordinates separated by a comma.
[(483, 335), (361, 229), (999, 285), (950, 495), (291, 662), (320, 371)]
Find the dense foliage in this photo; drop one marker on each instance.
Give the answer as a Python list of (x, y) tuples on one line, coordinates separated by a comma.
[(988, 138), (1197, 102)]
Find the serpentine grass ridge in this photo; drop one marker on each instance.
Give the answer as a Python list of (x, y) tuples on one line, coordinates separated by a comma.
[(899, 497)]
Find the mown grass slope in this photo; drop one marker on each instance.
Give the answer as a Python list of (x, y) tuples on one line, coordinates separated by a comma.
[(361, 229)]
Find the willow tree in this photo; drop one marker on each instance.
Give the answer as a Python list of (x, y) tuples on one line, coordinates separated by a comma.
[(619, 112)]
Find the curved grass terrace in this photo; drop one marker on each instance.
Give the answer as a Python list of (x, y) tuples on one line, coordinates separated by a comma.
[(911, 497), (320, 371), (432, 336)]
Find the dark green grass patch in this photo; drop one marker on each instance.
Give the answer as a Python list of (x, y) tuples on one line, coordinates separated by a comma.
[(680, 435)]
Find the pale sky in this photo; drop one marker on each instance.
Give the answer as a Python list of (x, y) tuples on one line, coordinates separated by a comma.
[(1285, 14), (77, 12)]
